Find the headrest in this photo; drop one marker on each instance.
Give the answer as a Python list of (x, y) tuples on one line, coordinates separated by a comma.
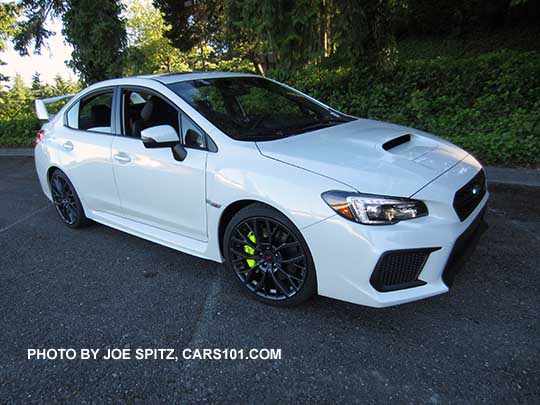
[(148, 109)]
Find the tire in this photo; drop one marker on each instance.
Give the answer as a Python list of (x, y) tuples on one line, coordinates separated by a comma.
[(269, 256), (66, 201)]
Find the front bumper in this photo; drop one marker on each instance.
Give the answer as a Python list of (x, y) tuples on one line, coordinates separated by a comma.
[(464, 247), (346, 253)]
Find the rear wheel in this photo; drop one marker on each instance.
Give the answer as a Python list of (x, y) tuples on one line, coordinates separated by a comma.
[(66, 201), (269, 256)]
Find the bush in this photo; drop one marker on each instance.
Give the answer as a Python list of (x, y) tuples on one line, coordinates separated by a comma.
[(19, 132), (489, 103)]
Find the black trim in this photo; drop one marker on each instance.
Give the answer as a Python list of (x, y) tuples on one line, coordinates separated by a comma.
[(151, 143), (377, 279), (400, 140), (464, 247)]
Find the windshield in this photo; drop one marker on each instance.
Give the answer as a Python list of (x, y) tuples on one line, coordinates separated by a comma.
[(255, 109)]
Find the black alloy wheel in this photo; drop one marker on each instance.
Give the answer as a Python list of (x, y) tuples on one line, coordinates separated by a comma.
[(66, 201), (269, 256)]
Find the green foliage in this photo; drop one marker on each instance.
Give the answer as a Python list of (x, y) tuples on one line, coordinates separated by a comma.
[(192, 23), (18, 121), (97, 33), (150, 51), (302, 32), (8, 15), (489, 104), (289, 30), (18, 132), (31, 31), (361, 31)]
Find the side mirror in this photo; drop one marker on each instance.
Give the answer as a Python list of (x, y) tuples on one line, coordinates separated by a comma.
[(179, 152), (160, 136)]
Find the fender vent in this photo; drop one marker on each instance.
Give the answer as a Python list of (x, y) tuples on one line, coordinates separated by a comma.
[(400, 140)]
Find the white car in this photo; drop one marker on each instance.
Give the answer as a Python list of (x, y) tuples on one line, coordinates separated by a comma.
[(295, 197)]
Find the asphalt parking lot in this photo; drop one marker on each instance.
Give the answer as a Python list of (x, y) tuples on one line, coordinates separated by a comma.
[(100, 288)]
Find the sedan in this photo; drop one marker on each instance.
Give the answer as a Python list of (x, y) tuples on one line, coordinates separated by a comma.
[(295, 197)]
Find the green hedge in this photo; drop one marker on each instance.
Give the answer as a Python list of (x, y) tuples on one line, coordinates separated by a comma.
[(489, 104), (19, 132)]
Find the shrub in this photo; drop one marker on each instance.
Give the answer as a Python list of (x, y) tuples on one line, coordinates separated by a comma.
[(19, 132), (489, 103)]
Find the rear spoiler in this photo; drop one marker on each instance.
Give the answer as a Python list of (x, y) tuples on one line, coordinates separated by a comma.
[(41, 106)]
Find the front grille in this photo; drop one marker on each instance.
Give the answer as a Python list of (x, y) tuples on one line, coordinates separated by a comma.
[(469, 196), (399, 269)]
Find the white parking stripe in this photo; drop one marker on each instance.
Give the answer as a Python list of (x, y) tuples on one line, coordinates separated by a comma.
[(25, 218)]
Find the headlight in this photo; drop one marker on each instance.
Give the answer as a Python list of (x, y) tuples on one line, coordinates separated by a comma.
[(373, 209)]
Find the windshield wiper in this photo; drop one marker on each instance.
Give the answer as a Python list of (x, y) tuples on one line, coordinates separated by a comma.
[(262, 137), (314, 126)]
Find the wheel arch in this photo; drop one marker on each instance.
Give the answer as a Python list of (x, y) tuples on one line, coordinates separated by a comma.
[(230, 211), (50, 171), (226, 216)]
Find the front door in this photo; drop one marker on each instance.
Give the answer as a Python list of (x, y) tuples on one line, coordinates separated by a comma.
[(154, 188)]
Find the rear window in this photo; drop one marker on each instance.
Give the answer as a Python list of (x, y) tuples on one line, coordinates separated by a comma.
[(92, 113)]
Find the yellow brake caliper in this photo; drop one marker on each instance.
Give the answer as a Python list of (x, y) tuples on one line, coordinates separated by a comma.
[(249, 250)]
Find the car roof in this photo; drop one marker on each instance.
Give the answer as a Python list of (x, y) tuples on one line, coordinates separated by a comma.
[(180, 77)]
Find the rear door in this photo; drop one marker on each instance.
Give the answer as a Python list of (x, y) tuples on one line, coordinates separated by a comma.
[(154, 188), (84, 145)]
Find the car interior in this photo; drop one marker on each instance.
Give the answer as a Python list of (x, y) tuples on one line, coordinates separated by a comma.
[(143, 111), (95, 113)]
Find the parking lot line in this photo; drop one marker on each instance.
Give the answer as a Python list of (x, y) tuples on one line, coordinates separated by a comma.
[(4, 229)]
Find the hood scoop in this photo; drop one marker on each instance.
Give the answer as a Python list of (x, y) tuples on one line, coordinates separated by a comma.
[(393, 143)]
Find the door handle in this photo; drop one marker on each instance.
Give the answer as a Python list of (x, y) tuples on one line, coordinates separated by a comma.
[(122, 157), (67, 145)]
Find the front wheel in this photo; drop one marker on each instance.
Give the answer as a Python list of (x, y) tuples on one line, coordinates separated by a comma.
[(269, 256)]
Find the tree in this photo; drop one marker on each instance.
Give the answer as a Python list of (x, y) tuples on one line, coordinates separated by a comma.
[(289, 31), (8, 14), (97, 33), (16, 101), (363, 31), (295, 33), (150, 51), (95, 29), (193, 24), (31, 30)]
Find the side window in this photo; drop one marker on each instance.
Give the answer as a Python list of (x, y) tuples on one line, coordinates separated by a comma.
[(141, 110), (92, 113), (192, 135)]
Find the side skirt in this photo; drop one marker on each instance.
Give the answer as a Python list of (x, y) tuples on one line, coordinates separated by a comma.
[(153, 234)]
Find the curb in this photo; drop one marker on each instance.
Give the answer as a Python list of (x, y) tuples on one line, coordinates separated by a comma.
[(498, 175), (16, 151), (518, 177)]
